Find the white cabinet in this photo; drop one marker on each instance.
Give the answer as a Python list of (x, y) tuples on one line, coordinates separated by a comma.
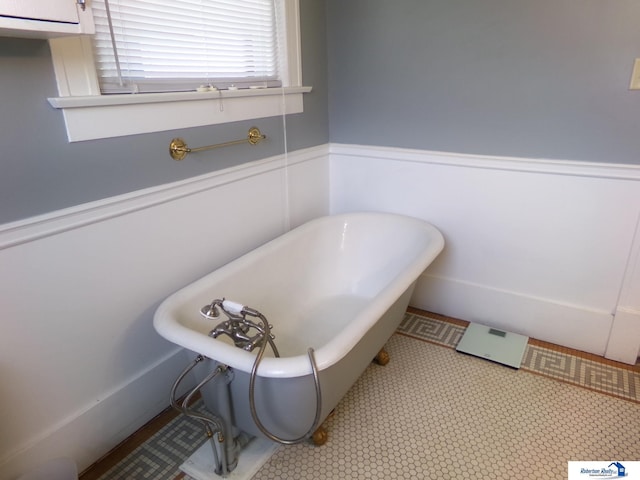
[(45, 18)]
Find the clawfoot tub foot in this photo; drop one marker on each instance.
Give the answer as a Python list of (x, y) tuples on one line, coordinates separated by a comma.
[(382, 358), (320, 436)]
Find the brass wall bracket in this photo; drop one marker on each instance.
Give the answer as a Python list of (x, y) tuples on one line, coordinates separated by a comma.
[(178, 149)]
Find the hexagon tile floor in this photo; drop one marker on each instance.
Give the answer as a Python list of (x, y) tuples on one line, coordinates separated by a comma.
[(433, 413)]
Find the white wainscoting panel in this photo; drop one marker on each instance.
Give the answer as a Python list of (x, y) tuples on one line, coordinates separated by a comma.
[(81, 366), (538, 247)]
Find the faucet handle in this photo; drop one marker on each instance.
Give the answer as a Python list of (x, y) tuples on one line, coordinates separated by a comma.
[(233, 308)]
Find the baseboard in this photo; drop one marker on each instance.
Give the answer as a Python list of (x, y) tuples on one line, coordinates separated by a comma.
[(90, 432), (572, 326), (623, 341)]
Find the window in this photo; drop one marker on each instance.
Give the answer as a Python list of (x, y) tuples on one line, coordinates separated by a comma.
[(152, 62), (176, 45)]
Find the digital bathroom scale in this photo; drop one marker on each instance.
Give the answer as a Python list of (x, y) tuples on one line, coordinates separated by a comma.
[(492, 344)]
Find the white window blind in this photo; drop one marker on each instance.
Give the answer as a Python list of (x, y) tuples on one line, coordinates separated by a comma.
[(178, 45)]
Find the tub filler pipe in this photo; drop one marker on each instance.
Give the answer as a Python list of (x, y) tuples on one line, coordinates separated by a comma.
[(212, 423)]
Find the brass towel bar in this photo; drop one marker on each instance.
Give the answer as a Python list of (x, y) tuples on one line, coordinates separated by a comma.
[(178, 149)]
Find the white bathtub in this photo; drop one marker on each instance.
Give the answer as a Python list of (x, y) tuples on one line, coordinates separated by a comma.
[(339, 284)]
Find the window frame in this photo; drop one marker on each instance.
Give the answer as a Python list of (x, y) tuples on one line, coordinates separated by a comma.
[(90, 115)]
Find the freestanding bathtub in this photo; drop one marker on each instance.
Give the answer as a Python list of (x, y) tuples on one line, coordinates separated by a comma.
[(339, 284)]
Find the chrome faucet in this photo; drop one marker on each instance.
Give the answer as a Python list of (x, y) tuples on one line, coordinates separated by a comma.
[(238, 326)]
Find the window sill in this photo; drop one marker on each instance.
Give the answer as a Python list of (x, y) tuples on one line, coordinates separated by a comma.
[(105, 116)]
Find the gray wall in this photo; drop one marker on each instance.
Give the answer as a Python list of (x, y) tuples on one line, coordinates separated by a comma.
[(41, 172), (534, 78), (527, 78)]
